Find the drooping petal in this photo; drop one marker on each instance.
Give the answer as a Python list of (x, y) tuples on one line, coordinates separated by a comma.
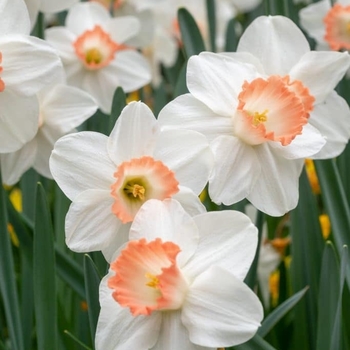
[(80, 162), (169, 222), (220, 310), (235, 172), (65, 107), (14, 17), (15, 164), (320, 72), (276, 188), (174, 336), (19, 120), (332, 119), (90, 224), (118, 329), (227, 239), (83, 16), (303, 146), (186, 112), (134, 134), (187, 153), (217, 80), (276, 41), (189, 201), (21, 57)]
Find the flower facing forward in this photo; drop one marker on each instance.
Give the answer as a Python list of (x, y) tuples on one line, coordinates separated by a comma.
[(178, 283), (264, 109), (109, 178), (27, 64), (62, 108), (328, 24), (94, 54)]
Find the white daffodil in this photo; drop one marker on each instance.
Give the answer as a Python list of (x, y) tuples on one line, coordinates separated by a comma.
[(46, 6), (327, 22), (264, 109), (94, 55), (61, 109), (109, 178), (27, 64), (178, 283)]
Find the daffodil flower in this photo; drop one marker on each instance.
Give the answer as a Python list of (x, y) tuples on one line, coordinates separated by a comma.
[(264, 109), (110, 178), (178, 282), (94, 54), (27, 64)]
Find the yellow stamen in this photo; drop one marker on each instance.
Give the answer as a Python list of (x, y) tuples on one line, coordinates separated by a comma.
[(93, 56), (154, 281), (136, 190), (260, 117)]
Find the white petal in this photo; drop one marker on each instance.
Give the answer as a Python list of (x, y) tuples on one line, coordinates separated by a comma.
[(123, 28), (311, 19), (235, 171), (173, 335), (245, 57), (19, 120), (65, 107), (85, 16), (113, 249), (118, 329), (80, 162), (332, 119), (62, 40), (320, 72), (132, 69), (217, 80), (227, 239), (14, 17), (276, 41), (15, 164), (90, 223), (276, 190), (21, 57), (169, 221), (303, 146), (188, 154), (189, 201), (134, 134), (220, 310), (186, 112)]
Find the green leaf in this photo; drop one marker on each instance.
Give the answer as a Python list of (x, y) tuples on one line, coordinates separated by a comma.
[(191, 37), (70, 272), (307, 249), (328, 297), (211, 14), (77, 340), (8, 280), (271, 320), (118, 103), (181, 87), (256, 343), (336, 205), (92, 282), (231, 36), (44, 275)]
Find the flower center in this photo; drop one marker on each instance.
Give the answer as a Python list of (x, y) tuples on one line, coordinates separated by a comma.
[(137, 181), (337, 23), (2, 84), (275, 109), (147, 277), (95, 48)]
